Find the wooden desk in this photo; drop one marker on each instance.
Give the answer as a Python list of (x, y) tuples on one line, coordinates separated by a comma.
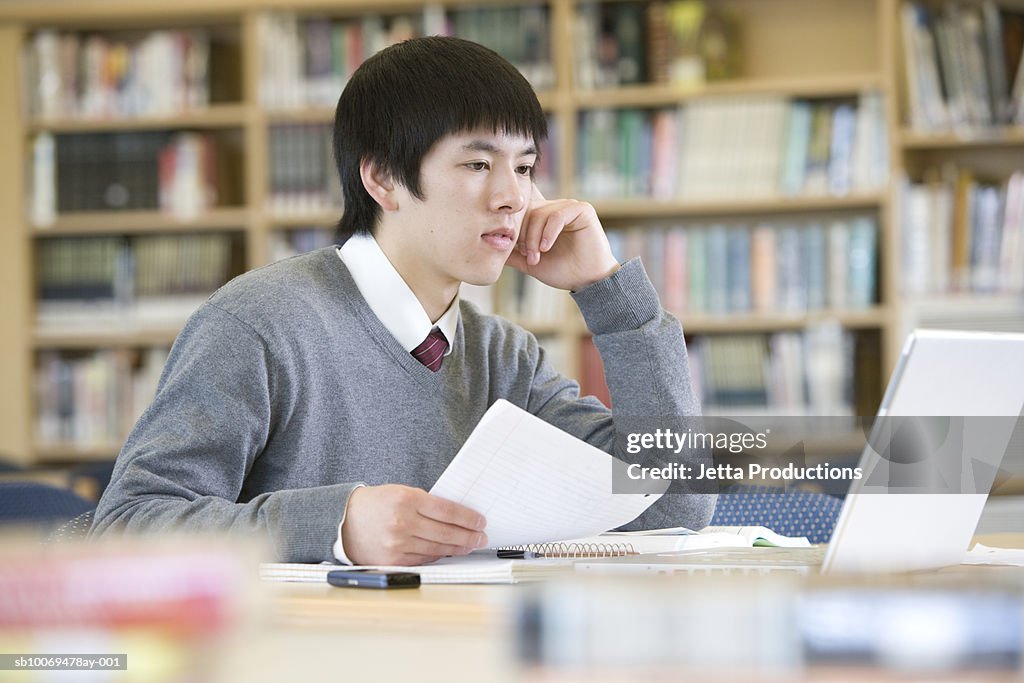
[(435, 633), (317, 632), (439, 609)]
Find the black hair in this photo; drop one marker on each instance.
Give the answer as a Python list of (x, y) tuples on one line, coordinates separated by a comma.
[(408, 96)]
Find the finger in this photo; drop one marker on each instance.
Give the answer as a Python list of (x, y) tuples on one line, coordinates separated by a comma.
[(416, 545), (517, 260), (533, 226), (447, 534), (446, 511), (551, 229), (533, 232)]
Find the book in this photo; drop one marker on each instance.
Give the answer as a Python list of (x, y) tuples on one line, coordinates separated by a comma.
[(94, 399), (960, 234), (302, 177), (43, 209), (962, 65), (786, 373), (120, 74), (740, 146), (308, 62), (775, 266), (796, 144), (659, 42), (840, 161), (928, 110), (628, 20), (147, 279)]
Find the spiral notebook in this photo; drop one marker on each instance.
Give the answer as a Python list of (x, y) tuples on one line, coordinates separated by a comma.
[(621, 544)]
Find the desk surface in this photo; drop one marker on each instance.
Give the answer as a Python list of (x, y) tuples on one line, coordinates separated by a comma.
[(435, 633), (444, 608), (448, 633)]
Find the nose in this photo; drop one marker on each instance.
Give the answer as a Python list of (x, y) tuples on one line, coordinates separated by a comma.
[(507, 194)]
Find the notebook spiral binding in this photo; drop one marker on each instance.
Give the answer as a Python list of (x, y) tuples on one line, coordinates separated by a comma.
[(575, 550)]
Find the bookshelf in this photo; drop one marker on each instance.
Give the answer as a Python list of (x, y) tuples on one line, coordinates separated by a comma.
[(960, 149), (827, 52)]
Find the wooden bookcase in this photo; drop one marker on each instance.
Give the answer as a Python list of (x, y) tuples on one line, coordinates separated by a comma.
[(790, 48), (991, 152)]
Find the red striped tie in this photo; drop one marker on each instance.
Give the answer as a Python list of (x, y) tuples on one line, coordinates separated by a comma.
[(431, 351)]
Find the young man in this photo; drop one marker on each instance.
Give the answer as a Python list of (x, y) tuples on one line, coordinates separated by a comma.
[(316, 399)]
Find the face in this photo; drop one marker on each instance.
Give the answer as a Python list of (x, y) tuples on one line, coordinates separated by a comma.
[(476, 187)]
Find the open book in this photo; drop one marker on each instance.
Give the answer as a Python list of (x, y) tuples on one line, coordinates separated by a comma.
[(745, 536)]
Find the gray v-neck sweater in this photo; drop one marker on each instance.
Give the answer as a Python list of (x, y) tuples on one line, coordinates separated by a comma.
[(284, 390)]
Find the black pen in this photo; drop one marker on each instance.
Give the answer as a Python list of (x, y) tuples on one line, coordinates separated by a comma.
[(513, 554)]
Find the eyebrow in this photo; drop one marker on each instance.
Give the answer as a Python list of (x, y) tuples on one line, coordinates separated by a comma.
[(485, 146)]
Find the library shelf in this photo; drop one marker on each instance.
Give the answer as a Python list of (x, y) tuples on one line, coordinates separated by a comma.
[(658, 95), (732, 323), (620, 209), (992, 312), (86, 338), (206, 118), (325, 114), (284, 221), (139, 222), (299, 115), (911, 139), (871, 318)]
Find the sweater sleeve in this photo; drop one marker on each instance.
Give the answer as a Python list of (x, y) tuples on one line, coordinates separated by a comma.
[(647, 371), (185, 463)]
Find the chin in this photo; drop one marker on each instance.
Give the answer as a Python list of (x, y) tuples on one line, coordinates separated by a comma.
[(483, 276)]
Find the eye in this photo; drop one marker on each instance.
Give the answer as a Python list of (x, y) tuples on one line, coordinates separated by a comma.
[(477, 165), (525, 169)]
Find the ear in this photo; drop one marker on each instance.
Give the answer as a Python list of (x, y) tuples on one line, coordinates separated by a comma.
[(379, 185)]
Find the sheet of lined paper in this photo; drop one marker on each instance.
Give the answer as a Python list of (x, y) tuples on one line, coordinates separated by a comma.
[(535, 483)]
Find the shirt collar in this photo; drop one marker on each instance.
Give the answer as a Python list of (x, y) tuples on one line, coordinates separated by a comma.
[(390, 298)]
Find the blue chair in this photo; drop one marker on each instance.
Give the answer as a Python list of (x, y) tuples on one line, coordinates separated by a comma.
[(790, 513), (76, 527), (36, 504)]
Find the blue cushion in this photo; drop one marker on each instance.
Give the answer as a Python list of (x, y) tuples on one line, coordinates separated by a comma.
[(42, 504), (790, 513)]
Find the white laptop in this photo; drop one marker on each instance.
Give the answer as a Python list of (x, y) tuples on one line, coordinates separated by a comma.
[(976, 375)]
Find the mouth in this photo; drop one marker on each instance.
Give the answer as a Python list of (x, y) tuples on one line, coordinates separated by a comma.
[(502, 239)]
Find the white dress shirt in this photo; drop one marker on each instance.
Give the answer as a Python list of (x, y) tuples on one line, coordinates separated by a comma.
[(389, 296)]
